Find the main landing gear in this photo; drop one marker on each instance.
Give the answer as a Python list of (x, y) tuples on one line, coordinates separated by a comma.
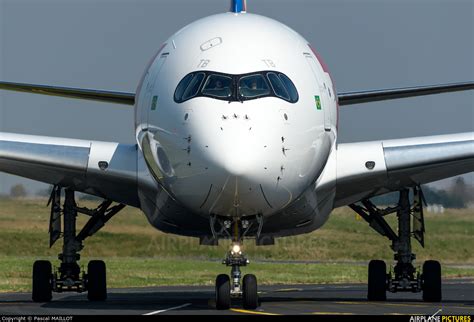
[(233, 287), (68, 277), (404, 277)]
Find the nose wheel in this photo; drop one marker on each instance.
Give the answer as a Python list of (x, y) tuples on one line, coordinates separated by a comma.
[(234, 287), (249, 292), (223, 292)]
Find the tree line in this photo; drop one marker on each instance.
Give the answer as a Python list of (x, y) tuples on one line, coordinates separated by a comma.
[(458, 195)]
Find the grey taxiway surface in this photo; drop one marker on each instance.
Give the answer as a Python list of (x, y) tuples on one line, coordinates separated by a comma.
[(458, 298)]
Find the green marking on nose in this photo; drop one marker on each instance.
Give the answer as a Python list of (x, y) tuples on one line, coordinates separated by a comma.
[(154, 103), (318, 102)]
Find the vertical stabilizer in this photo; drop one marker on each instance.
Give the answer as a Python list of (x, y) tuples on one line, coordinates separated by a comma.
[(238, 6)]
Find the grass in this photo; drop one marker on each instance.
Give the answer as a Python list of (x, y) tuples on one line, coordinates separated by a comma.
[(139, 255)]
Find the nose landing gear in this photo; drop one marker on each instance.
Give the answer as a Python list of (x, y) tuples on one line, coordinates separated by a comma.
[(234, 286)]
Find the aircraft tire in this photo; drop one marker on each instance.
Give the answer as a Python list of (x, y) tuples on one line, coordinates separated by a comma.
[(377, 281), (250, 293), (432, 281), (42, 288), (222, 292), (96, 281)]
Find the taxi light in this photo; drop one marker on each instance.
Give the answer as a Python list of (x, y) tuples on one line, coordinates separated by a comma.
[(236, 249)]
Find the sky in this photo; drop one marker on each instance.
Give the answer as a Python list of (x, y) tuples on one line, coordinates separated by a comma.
[(105, 44)]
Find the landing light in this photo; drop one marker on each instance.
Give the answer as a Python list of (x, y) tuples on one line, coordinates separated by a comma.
[(236, 249)]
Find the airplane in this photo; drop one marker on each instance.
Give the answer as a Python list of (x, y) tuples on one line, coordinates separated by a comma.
[(236, 139)]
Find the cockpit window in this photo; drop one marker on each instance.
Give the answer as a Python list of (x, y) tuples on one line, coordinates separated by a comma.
[(218, 86), (253, 86), (236, 88), (188, 87), (278, 87), (290, 87), (178, 94), (193, 87)]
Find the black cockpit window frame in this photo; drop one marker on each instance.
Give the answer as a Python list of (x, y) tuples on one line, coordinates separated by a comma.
[(236, 93)]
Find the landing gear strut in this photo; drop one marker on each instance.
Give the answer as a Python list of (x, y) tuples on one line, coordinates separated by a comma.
[(405, 277), (68, 277), (234, 286)]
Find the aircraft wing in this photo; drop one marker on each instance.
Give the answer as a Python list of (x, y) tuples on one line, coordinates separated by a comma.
[(396, 93), (367, 169), (103, 169), (124, 98), (70, 92)]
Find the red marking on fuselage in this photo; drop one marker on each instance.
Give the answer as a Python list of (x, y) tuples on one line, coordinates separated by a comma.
[(320, 59), (326, 70)]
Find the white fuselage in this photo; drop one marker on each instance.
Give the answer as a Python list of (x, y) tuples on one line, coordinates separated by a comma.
[(235, 158)]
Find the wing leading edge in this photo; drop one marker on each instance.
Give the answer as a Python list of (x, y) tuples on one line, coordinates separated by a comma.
[(103, 169), (368, 169), (69, 92), (396, 93)]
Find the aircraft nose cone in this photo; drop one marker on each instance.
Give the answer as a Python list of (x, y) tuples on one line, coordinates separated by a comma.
[(239, 158), (245, 172), (238, 163)]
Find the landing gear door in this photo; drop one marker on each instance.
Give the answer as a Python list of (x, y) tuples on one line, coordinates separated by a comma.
[(321, 99)]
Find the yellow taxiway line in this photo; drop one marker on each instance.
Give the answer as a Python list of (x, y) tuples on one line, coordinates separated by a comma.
[(252, 312)]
